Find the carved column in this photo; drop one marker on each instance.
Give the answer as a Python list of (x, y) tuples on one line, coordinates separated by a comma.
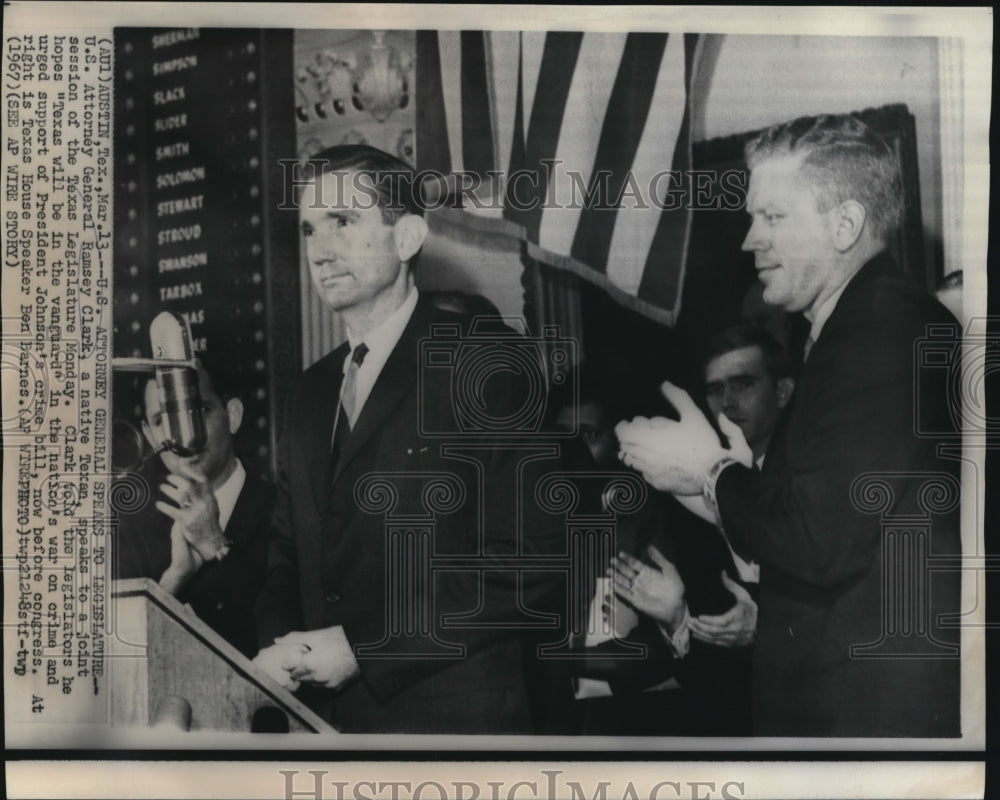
[(907, 627)]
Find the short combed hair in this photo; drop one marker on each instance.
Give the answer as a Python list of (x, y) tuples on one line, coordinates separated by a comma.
[(739, 336), (842, 159), (391, 179)]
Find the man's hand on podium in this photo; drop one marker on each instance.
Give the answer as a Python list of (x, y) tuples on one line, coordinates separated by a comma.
[(328, 659), (322, 658), (278, 660)]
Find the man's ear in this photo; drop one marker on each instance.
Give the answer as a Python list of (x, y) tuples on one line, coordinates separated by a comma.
[(785, 388), (409, 232), (848, 222), (234, 410)]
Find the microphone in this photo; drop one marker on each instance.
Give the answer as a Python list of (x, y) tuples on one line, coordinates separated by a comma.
[(177, 386)]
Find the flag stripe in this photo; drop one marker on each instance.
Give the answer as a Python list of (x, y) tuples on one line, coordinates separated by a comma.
[(510, 211), (532, 49), (580, 121), (432, 142), (555, 78), (450, 45), (624, 123), (586, 112), (503, 57), (659, 282), (631, 242), (477, 124)]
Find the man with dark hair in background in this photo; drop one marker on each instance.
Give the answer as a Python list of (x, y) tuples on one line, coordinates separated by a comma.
[(824, 197), (339, 612), (704, 582), (748, 379), (205, 540)]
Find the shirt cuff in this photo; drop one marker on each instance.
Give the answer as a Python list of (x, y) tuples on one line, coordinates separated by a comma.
[(680, 639), (708, 492)]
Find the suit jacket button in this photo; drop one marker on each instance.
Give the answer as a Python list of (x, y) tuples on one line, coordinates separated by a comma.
[(333, 598)]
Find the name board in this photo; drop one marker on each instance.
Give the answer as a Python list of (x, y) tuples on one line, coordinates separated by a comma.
[(190, 200)]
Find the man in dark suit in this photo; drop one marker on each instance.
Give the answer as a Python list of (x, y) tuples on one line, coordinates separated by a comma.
[(205, 540), (843, 648), (388, 459), (748, 378)]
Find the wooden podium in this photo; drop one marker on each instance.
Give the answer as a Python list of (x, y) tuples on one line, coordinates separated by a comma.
[(169, 668)]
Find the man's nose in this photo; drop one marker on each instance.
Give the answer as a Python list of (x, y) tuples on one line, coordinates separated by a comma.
[(729, 399), (322, 249), (754, 239)]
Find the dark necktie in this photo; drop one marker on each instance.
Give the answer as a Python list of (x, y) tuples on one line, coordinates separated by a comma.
[(346, 407), (348, 397)]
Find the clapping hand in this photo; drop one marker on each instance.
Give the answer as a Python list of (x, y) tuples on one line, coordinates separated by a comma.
[(618, 616), (185, 561), (656, 590), (675, 456), (195, 509), (736, 628)]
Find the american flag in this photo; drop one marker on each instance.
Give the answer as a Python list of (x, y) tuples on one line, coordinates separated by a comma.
[(592, 122)]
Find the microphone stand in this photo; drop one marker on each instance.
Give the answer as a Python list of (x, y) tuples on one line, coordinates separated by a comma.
[(149, 364)]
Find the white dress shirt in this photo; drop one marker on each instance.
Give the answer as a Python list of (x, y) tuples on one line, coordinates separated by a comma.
[(380, 341)]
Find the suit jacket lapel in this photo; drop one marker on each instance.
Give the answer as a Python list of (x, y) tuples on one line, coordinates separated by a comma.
[(254, 499), (244, 510), (395, 380)]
